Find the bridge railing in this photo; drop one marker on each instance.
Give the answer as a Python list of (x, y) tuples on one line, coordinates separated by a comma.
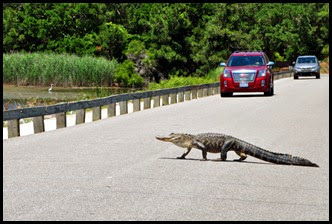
[(160, 97)]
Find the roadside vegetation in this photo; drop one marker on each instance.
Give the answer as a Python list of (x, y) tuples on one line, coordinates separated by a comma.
[(177, 81), (42, 69), (142, 45)]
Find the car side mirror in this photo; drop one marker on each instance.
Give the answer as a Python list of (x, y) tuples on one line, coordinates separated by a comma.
[(223, 64), (293, 62), (270, 63)]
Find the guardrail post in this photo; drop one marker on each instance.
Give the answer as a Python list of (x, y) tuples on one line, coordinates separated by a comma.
[(60, 120), (96, 113), (187, 95), (173, 97), (210, 91), (80, 116), (194, 93), (123, 107), (165, 100), (216, 90), (181, 97), (136, 105), (38, 124), (13, 128), (156, 101), (205, 92), (111, 110), (199, 93), (147, 103)]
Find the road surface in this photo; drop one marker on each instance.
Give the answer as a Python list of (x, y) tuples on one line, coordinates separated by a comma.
[(115, 169)]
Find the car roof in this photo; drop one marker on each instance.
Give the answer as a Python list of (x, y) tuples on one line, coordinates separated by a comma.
[(247, 53), (305, 56)]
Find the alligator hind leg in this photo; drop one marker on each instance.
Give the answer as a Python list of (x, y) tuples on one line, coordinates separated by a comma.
[(204, 153), (242, 155), (224, 149)]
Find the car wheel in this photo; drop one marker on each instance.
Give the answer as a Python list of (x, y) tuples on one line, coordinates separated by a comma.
[(296, 77), (269, 93), (318, 76)]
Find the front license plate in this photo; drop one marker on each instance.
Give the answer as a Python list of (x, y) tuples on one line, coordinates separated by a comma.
[(243, 84)]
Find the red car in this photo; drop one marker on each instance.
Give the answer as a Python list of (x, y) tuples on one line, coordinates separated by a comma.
[(247, 71)]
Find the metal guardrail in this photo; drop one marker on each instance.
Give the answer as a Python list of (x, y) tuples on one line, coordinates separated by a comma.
[(169, 96)]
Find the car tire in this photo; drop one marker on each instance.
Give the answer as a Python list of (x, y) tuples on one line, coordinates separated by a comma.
[(226, 94), (296, 77), (270, 92), (318, 76)]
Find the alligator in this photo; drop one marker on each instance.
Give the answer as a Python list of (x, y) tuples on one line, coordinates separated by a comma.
[(221, 143)]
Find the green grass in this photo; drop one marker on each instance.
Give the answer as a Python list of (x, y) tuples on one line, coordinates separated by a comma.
[(174, 81), (41, 69)]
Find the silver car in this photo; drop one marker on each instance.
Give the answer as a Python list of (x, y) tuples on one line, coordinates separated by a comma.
[(306, 65)]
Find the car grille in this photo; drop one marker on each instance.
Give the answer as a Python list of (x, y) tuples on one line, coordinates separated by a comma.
[(306, 69), (244, 75)]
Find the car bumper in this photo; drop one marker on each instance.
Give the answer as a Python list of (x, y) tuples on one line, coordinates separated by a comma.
[(312, 73), (255, 86)]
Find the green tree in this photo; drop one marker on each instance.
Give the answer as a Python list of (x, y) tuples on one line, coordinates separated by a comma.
[(113, 39)]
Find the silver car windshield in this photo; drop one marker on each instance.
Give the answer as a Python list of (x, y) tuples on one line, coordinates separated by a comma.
[(246, 61), (306, 60)]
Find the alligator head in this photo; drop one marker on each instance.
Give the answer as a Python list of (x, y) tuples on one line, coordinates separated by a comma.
[(181, 140)]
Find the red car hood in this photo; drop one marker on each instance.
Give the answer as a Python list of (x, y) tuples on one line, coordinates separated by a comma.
[(233, 68)]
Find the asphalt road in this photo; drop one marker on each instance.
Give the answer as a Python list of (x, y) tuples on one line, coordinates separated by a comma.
[(115, 169)]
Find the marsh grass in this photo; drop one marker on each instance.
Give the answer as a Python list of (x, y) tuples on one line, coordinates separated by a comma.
[(41, 69)]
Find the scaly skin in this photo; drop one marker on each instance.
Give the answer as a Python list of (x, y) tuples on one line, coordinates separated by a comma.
[(220, 143)]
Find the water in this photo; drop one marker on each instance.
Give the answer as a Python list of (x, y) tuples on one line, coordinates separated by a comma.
[(23, 96)]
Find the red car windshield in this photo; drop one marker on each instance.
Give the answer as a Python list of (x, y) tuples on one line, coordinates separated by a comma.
[(246, 61)]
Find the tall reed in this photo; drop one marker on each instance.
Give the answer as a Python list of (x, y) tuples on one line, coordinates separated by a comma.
[(41, 69)]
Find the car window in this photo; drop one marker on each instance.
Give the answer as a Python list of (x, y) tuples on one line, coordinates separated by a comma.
[(306, 60), (246, 60)]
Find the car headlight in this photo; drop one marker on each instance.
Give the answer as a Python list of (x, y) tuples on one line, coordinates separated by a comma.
[(262, 73), (227, 73), (315, 68), (297, 69)]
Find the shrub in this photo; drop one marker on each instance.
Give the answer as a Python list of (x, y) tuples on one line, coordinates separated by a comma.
[(125, 75)]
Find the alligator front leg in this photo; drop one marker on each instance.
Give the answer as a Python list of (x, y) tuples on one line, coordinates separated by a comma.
[(184, 154)]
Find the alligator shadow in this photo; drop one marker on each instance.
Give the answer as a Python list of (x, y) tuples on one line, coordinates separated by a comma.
[(233, 161), (213, 160)]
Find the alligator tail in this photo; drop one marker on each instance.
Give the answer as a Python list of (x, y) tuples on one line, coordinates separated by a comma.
[(273, 157)]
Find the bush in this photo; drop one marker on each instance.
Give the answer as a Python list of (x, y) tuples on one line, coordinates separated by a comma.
[(125, 75)]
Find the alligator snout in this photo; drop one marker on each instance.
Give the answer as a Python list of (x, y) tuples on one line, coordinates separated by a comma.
[(163, 138)]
